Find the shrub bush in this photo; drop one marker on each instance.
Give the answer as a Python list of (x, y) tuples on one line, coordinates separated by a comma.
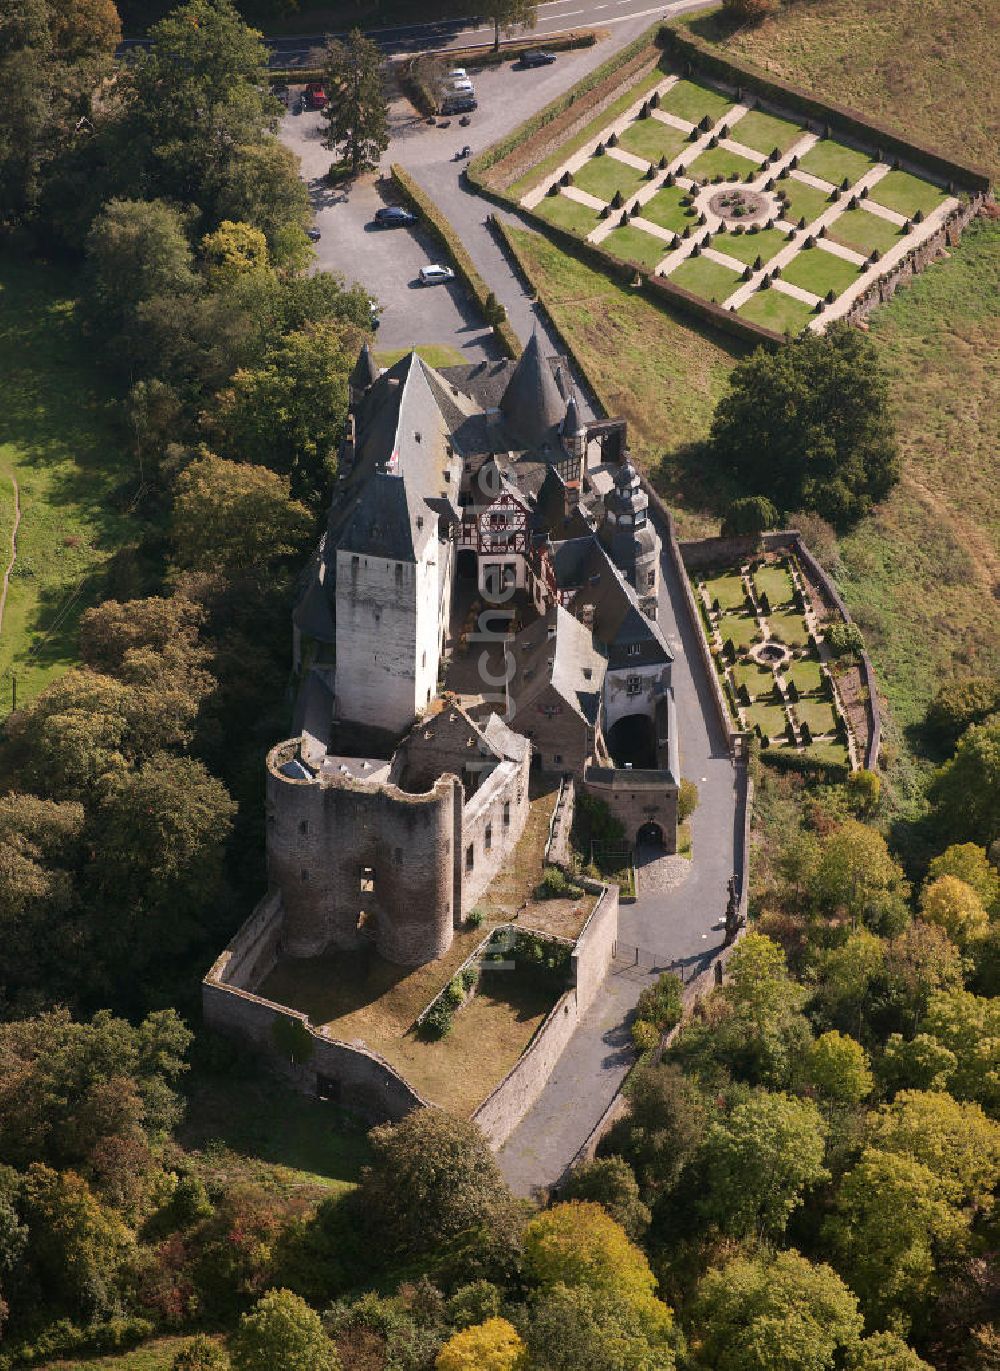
[(687, 799)]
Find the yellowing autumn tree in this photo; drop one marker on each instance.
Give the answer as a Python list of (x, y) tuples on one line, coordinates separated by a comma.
[(491, 1346)]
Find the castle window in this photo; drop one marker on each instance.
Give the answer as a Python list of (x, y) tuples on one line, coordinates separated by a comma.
[(303, 825), (470, 857), (650, 578), (557, 758), (367, 879), (634, 649), (363, 918), (488, 837), (633, 685), (305, 874), (506, 813), (399, 573), (587, 616), (355, 563)]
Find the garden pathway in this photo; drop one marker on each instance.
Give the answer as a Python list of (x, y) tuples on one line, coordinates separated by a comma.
[(13, 549)]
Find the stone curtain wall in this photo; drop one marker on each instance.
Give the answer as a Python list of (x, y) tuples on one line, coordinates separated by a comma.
[(353, 1076), (253, 953), (558, 847), (508, 784), (506, 1106)]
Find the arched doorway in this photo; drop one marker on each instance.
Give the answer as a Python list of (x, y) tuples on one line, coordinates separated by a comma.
[(650, 835), (632, 742)]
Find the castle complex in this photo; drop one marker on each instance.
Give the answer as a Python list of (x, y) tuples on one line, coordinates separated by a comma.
[(482, 603)]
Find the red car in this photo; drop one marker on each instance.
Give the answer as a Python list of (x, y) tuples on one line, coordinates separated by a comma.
[(315, 96)]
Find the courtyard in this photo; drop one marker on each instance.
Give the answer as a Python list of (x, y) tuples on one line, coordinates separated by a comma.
[(739, 205)]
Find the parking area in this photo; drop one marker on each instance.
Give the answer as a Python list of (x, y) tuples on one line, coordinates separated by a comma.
[(385, 261)]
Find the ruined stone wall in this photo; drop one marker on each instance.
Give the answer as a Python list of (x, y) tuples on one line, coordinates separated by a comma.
[(505, 1107), (327, 842), (444, 742), (353, 1076), (253, 953), (484, 830)]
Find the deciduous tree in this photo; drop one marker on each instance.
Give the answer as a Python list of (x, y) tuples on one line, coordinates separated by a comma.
[(954, 906), (857, 878), (237, 517), (810, 426), (282, 1331), (508, 15), (838, 1068), (969, 863), (965, 792), (955, 1141), (491, 1346), (610, 1182)]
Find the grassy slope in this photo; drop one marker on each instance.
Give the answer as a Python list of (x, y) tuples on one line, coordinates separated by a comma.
[(931, 68), (56, 435)]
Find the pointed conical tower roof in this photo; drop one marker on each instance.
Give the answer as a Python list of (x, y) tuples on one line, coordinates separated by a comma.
[(571, 424), (365, 372), (531, 404)]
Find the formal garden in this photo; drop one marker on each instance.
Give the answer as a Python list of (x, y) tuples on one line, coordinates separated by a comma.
[(750, 208), (780, 661)]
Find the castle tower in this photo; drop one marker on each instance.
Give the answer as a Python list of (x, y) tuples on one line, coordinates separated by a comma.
[(630, 538), (532, 405), (574, 433)]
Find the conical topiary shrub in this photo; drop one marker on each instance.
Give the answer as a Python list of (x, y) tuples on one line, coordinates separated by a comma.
[(617, 200)]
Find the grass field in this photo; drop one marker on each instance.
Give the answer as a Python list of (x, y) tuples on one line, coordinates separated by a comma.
[(666, 210), (805, 673), (647, 364), (818, 714), (931, 69), (602, 176), (817, 270), (765, 132), (704, 277), (774, 582), (742, 629), (747, 247), (652, 138), (776, 310), (759, 680), (721, 162), (804, 201), (156, 1355), (632, 244), (691, 101), (728, 590), (58, 437), (906, 193), (832, 161), (772, 718), (789, 628), (434, 354), (567, 214), (863, 231)]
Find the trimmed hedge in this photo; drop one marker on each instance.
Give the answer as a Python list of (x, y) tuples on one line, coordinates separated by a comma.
[(687, 49), (442, 229), (803, 765), (499, 150)]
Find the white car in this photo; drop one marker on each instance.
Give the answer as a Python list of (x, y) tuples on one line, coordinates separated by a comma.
[(434, 275), (458, 74), (463, 86)]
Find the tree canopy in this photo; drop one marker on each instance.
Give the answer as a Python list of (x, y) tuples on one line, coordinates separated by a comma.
[(809, 426), (357, 111)]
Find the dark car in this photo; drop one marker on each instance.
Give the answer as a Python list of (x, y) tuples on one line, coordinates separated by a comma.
[(459, 104), (394, 216), (537, 58), (313, 234)]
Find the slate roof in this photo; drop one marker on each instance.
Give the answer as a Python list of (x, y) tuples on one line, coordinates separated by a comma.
[(365, 372), (583, 566), (532, 404), (557, 651)]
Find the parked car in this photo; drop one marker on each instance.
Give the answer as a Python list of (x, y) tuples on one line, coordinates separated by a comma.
[(459, 104), (376, 311), (458, 74), (434, 275), (537, 58), (282, 93), (315, 96), (313, 234), (463, 86), (394, 216)]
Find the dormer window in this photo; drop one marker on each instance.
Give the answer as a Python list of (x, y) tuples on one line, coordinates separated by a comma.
[(634, 649)]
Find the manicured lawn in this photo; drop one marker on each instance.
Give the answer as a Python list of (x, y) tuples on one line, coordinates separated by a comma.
[(602, 176), (544, 169), (434, 354), (631, 244), (742, 629), (772, 718), (818, 714), (863, 231), (832, 161), (721, 162), (775, 583), (59, 438), (568, 214), (706, 278), (747, 247), (728, 590), (806, 674), (665, 209), (663, 371), (905, 193), (765, 132), (804, 201), (692, 101), (775, 310), (819, 271), (652, 138), (829, 751), (789, 628), (759, 680)]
